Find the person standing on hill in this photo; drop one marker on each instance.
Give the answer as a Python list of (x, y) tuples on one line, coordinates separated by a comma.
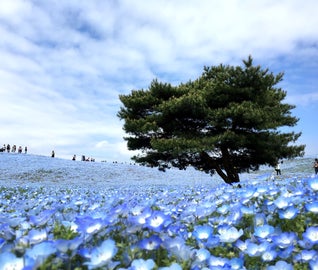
[(53, 154), (277, 169), (25, 150), (316, 165)]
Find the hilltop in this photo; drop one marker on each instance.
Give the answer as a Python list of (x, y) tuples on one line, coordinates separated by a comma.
[(30, 169), (17, 169)]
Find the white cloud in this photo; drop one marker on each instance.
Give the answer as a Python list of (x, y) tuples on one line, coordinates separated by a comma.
[(64, 63)]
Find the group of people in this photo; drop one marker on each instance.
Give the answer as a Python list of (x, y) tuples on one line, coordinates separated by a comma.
[(13, 149), (74, 157), (278, 170), (87, 159), (84, 158)]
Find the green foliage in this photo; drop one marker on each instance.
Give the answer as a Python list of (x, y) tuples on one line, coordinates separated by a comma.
[(62, 232), (227, 121)]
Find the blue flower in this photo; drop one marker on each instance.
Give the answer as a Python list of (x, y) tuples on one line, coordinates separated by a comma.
[(202, 232), (10, 261), (102, 255), (139, 215), (88, 224), (223, 209), (7, 232), (151, 243), (229, 234), (306, 255), (313, 183), (282, 202), (140, 264), (234, 216), (311, 234), (2, 242), (64, 245), (312, 207), (259, 219), (284, 239), (305, 243), (39, 253), (264, 231), (281, 265), (269, 255), (252, 249), (173, 266), (177, 247), (217, 261), (285, 253), (236, 263), (202, 255), (241, 245), (157, 221), (289, 213), (36, 236), (42, 218), (314, 264)]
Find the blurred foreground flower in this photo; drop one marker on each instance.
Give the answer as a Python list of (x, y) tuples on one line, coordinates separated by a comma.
[(281, 265), (37, 255), (102, 255), (10, 261), (173, 266), (140, 264), (313, 183)]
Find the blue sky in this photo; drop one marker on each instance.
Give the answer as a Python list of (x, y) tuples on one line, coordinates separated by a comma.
[(64, 63)]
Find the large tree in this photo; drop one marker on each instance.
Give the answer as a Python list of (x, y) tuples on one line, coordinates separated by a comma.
[(227, 121)]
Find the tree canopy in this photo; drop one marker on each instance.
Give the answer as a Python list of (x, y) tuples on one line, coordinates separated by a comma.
[(227, 121)]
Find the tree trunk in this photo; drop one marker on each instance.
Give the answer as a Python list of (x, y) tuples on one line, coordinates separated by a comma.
[(232, 174), (229, 173)]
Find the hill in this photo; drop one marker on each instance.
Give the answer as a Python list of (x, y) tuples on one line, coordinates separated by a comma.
[(17, 169)]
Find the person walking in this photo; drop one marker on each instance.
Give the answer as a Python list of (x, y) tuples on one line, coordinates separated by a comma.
[(316, 165)]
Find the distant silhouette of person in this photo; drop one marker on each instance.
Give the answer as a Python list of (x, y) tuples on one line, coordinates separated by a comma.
[(25, 150), (74, 157), (8, 148), (20, 149), (83, 158), (14, 148), (316, 165), (53, 154), (277, 169)]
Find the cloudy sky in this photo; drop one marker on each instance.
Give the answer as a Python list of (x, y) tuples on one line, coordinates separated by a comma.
[(63, 64)]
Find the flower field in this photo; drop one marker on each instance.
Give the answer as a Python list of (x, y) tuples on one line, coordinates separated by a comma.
[(63, 215)]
